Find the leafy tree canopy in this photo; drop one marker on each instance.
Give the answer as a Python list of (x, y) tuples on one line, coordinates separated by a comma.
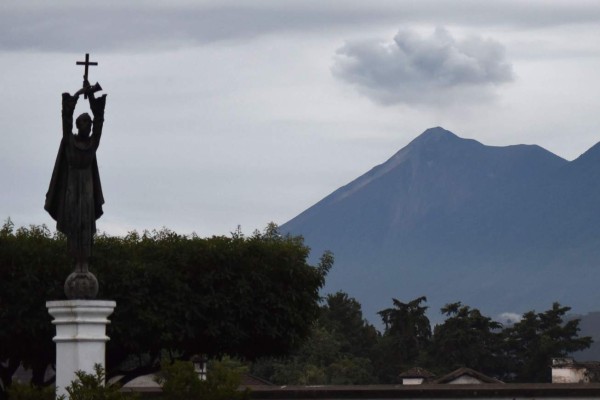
[(342, 315), (406, 337), (185, 295), (467, 339), (532, 342), (339, 350)]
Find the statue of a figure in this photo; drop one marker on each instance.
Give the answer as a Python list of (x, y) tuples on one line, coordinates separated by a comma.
[(74, 198)]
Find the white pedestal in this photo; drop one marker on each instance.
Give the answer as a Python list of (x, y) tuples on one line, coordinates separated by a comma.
[(80, 337)]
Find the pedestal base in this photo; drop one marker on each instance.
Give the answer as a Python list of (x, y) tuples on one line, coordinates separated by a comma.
[(80, 337)]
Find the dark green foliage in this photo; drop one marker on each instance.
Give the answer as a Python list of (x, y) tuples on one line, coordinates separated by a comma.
[(241, 296), (244, 296), (92, 387), (351, 371), (467, 339), (342, 315), (521, 352), (406, 338), (532, 342), (33, 267), (25, 391), (338, 351), (306, 366), (180, 382), (344, 349)]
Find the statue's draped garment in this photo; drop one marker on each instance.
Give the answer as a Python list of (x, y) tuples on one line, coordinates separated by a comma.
[(74, 198)]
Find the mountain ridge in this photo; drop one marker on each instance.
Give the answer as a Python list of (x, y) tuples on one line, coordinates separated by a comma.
[(454, 219)]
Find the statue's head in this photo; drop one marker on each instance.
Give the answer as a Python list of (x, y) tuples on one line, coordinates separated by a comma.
[(84, 125)]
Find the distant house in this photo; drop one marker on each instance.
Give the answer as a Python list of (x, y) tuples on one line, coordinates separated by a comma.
[(419, 376), (466, 376), (567, 370), (416, 376)]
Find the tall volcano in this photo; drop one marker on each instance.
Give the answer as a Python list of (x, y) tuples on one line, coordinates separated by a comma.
[(503, 229)]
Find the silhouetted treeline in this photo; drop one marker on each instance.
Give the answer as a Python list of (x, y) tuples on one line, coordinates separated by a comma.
[(345, 349)]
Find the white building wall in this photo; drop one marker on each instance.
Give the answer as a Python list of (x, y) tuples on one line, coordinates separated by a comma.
[(412, 381), (569, 375)]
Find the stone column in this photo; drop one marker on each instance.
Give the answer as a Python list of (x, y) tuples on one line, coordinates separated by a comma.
[(80, 337)]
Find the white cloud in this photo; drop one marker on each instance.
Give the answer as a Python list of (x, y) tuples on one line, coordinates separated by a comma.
[(413, 69), (508, 318)]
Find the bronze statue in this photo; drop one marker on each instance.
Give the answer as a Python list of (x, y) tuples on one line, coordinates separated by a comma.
[(74, 198)]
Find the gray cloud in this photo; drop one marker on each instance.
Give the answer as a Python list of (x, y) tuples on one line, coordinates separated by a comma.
[(66, 25), (123, 26), (415, 69)]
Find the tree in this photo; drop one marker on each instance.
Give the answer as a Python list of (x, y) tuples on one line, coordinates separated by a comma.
[(242, 296), (406, 338), (180, 381), (342, 316), (532, 342), (467, 339), (337, 352), (182, 295), (92, 387), (33, 265), (307, 365)]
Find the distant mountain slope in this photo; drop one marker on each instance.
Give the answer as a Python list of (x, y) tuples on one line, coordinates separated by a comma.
[(504, 229), (590, 326)]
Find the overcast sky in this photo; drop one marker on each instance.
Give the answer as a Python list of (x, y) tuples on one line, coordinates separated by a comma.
[(226, 113)]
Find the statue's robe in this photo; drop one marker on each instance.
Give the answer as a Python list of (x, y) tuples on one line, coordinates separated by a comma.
[(74, 198)]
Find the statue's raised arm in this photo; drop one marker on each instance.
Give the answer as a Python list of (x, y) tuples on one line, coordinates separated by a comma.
[(97, 106), (68, 108)]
